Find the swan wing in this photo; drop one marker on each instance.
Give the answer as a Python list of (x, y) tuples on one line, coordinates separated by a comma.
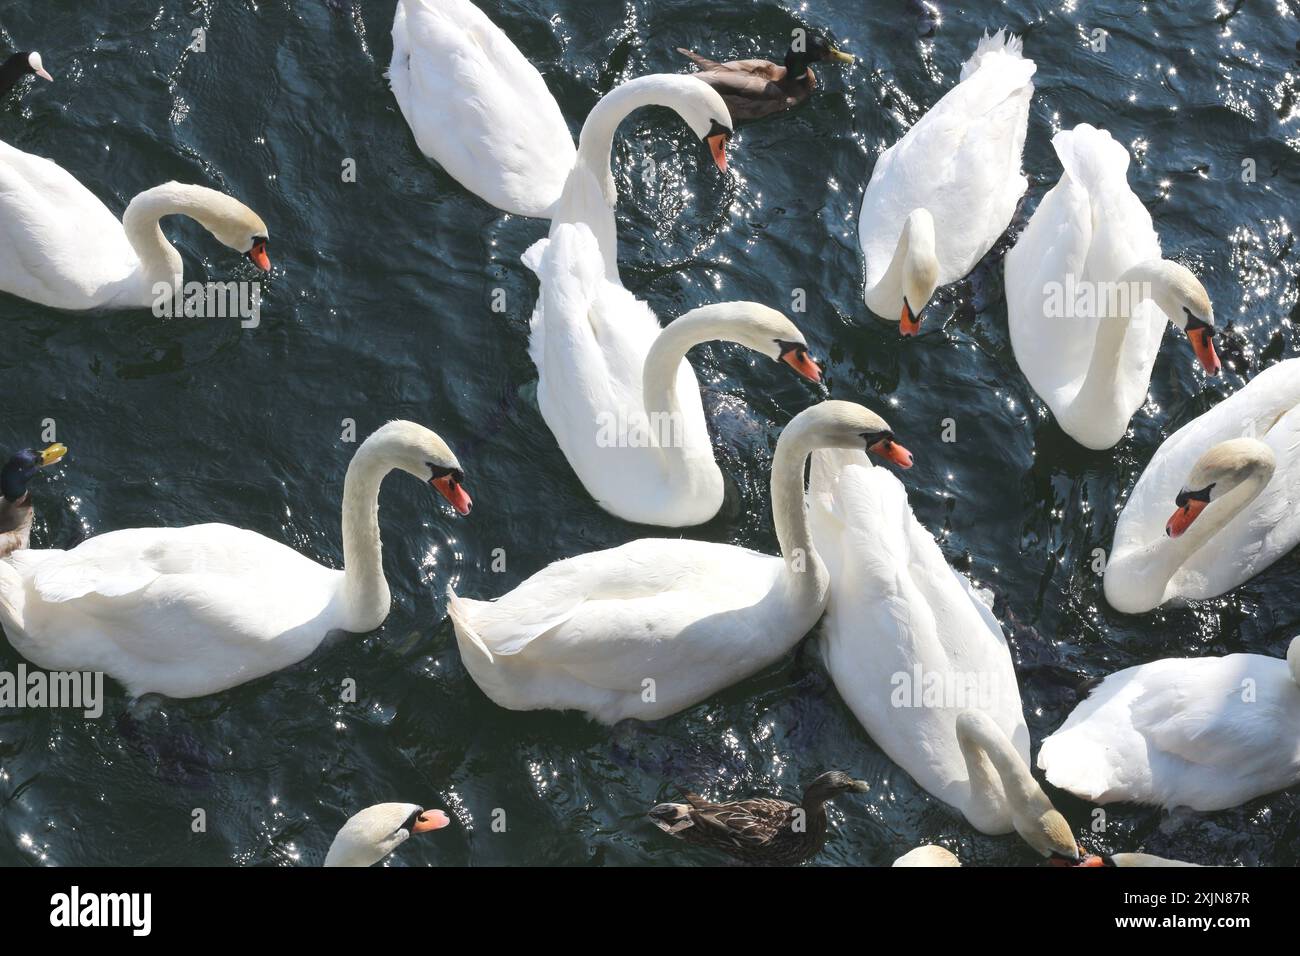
[(478, 107)]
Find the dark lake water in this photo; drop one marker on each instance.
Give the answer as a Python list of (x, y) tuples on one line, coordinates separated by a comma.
[(380, 307)]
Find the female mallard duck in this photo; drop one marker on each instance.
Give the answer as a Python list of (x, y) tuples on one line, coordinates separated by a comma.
[(16, 502), (18, 66), (761, 829), (371, 834), (753, 89)]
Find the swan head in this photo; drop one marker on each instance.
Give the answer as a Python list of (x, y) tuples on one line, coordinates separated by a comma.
[(920, 270), (762, 329), (232, 223), (837, 424), (377, 831), (1219, 471), (704, 111), (22, 468), (832, 784), (1180, 295), (418, 451), (809, 48)]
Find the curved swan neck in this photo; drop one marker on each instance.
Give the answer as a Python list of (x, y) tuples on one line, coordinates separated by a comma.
[(1000, 780), (708, 323), (789, 513), (159, 258), (365, 590), (596, 141), (916, 239)]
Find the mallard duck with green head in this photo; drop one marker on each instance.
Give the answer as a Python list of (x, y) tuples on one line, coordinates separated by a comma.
[(16, 500), (762, 829), (753, 89)]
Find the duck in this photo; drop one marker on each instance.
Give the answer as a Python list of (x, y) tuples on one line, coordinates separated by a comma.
[(646, 629), (619, 394), (760, 830), (372, 834), (928, 855), (1232, 479), (16, 500), (753, 89), (1205, 733), (18, 65), (187, 612), (1089, 294), (908, 641), (941, 196), (61, 247)]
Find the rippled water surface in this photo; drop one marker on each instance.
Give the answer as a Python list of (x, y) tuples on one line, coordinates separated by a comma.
[(380, 307)]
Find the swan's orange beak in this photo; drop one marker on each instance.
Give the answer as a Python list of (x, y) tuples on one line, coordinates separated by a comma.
[(1091, 860), (453, 492), (802, 362), (430, 820), (889, 449), (718, 147), (1202, 340), (258, 255), (908, 324), (1184, 516)]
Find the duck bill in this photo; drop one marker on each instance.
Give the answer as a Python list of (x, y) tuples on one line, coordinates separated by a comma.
[(909, 323), (1183, 518), (803, 363), (259, 257), (430, 820), (841, 56), (891, 450), (44, 75), (1203, 345), (454, 493), (52, 454), (718, 148)]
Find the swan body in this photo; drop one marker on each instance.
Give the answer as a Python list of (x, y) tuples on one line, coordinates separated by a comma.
[(654, 626), (477, 106), (1203, 732), (191, 611), (1235, 500), (900, 625), (941, 196), (373, 833), (1089, 296), (62, 248), (618, 393)]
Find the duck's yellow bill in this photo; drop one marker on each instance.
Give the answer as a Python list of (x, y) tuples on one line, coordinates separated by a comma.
[(842, 56), (52, 454)]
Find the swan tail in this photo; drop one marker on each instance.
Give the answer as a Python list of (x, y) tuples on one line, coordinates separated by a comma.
[(672, 818), (459, 611), (532, 257), (1091, 157), (1001, 42), (1076, 766)]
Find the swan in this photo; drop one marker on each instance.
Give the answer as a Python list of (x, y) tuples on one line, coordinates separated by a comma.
[(1235, 500), (477, 107), (1207, 733), (1088, 294), (19, 65), (941, 196), (371, 834), (191, 611), (908, 641), (15, 500), (654, 626), (619, 395), (62, 248), (938, 856), (928, 855)]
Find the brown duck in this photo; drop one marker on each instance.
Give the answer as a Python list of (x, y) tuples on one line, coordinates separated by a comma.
[(16, 503), (753, 89), (761, 829)]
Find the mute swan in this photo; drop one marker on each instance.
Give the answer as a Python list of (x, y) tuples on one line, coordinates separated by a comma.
[(191, 611), (373, 833), (18, 66), (928, 856), (941, 196), (759, 830), (61, 247), (938, 856), (753, 89), (907, 640), (619, 395), (16, 502), (1201, 732), (656, 625), (1088, 295), (1236, 500)]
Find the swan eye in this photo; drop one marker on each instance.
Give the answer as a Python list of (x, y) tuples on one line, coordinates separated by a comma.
[(1198, 325), (1187, 497), (717, 129), (455, 474), (409, 823), (798, 348), (874, 438)]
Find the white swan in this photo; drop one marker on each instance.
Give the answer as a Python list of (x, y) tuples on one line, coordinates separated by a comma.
[(61, 247), (908, 641), (478, 107), (619, 395), (941, 196), (1089, 296), (651, 627), (1201, 732), (191, 611), (1235, 500), (371, 834)]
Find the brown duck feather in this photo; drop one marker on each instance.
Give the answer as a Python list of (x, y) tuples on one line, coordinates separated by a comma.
[(15, 524)]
